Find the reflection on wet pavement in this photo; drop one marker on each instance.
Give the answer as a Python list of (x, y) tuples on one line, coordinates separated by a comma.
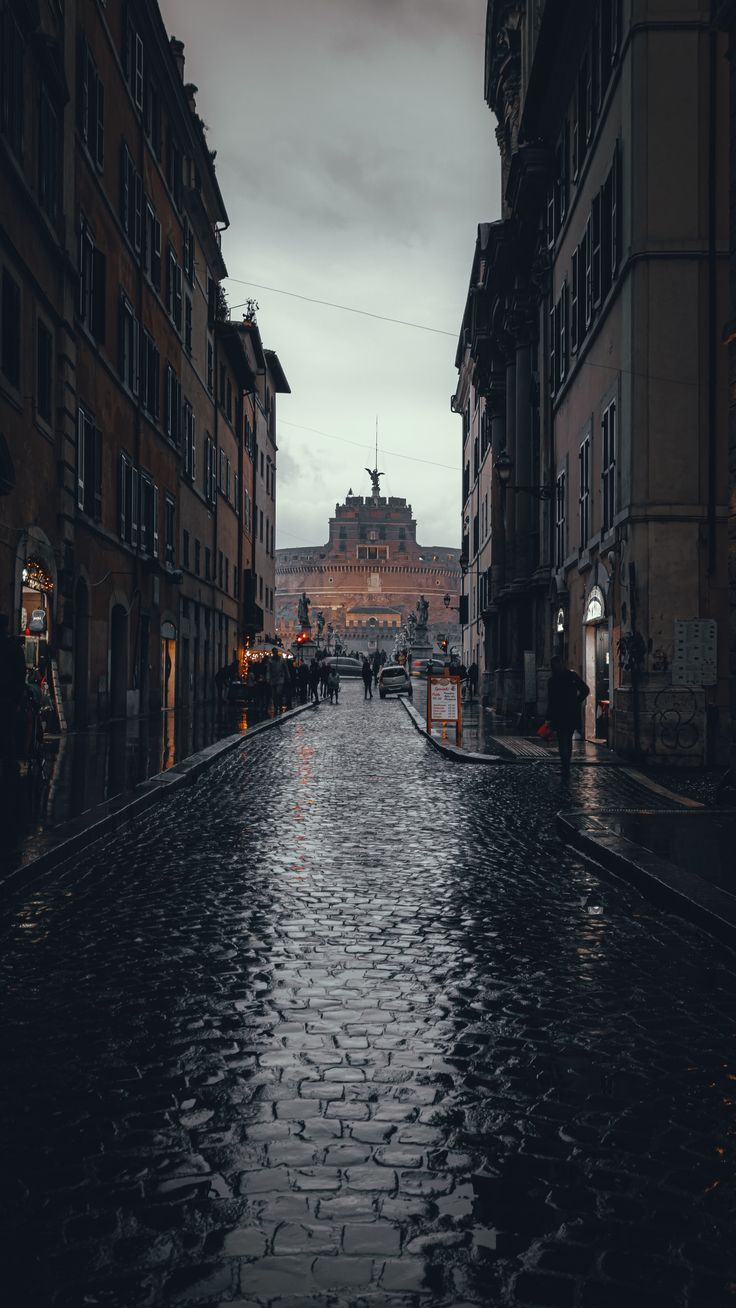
[(345, 1025)]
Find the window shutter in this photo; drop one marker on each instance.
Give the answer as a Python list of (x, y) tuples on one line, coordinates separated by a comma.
[(138, 215), (194, 448), (156, 256), (83, 88), (97, 502), (134, 355), (99, 269)]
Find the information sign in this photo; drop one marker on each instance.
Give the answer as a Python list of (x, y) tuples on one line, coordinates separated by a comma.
[(443, 703)]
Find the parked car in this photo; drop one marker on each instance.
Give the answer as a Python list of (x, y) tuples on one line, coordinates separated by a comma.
[(346, 667), (428, 668), (394, 680)]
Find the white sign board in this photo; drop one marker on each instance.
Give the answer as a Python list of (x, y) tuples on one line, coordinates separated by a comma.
[(694, 661), (444, 699)]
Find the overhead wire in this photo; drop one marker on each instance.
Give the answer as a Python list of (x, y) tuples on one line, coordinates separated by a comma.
[(346, 308), (363, 445)]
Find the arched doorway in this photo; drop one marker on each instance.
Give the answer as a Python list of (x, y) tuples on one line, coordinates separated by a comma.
[(118, 661), (597, 670), (81, 652)]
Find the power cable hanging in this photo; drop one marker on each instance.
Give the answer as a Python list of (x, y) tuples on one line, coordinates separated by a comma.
[(346, 308), (362, 445)]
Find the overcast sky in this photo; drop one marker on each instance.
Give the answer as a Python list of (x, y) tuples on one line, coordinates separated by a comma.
[(356, 157)]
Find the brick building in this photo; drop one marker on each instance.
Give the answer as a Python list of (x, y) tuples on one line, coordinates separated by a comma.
[(127, 398), (368, 577)]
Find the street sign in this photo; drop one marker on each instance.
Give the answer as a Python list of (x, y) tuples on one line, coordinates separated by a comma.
[(443, 703)]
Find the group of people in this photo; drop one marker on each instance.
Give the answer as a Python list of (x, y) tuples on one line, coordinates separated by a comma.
[(277, 682), (369, 671)]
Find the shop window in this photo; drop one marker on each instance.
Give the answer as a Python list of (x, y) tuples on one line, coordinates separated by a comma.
[(10, 329), (89, 465), (12, 99), (44, 372)]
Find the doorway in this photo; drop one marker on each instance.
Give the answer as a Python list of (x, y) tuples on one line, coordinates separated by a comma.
[(168, 665), (597, 670)]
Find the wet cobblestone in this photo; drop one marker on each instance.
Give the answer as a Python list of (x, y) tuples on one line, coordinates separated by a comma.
[(346, 1025)]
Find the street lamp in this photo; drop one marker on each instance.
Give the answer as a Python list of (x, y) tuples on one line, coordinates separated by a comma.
[(504, 469)]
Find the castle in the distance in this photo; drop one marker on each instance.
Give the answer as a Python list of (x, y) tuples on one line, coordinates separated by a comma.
[(369, 576)]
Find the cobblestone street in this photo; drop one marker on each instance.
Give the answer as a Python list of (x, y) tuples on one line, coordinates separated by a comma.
[(345, 1024)]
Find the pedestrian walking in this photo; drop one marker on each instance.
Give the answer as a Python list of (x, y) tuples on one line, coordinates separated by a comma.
[(472, 680), (275, 679), (220, 683), (376, 667), (324, 676), (367, 674), (566, 693), (333, 686), (314, 679), (303, 681)]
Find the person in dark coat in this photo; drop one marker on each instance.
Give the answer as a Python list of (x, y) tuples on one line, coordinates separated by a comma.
[(324, 676), (303, 680), (566, 693), (314, 679), (367, 674), (472, 680), (376, 667)]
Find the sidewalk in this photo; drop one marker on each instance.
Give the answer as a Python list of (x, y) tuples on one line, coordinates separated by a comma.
[(88, 774), (675, 845)]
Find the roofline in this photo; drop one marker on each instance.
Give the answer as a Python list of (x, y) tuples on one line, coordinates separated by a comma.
[(278, 375)]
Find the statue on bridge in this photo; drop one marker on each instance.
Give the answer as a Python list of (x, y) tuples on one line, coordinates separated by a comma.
[(304, 603)]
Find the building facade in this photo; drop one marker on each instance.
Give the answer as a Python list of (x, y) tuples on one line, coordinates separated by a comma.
[(591, 340), (369, 576), (127, 554)]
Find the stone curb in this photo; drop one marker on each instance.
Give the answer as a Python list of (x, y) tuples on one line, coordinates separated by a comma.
[(450, 751), (662, 882), (77, 835)]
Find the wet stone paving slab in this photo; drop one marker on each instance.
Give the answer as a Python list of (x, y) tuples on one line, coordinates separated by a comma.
[(346, 1025)]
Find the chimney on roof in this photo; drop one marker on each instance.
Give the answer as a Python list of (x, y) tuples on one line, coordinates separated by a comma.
[(177, 50)]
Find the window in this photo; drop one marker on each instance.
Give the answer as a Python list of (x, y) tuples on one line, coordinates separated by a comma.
[(595, 237), (131, 199), (169, 530), (149, 374), (11, 80), (91, 106), (562, 341), (247, 513), (372, 551), (185, 548), (227, 479), (10, 330), (608, 466), (221, 471), (210, 472), (188, 253), (129, 345), (560, 540), (173, 167), (153, 117), (152, 246), (148, 525), (49, 148), (197, 556), (584, 457), (173, 289), (133, 63), (574, 301), (588, 252), (44, 372), (236, 494), (172, 411), (92, 287), (190, 441), (188, 324), (89, 465), (128, 483)]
